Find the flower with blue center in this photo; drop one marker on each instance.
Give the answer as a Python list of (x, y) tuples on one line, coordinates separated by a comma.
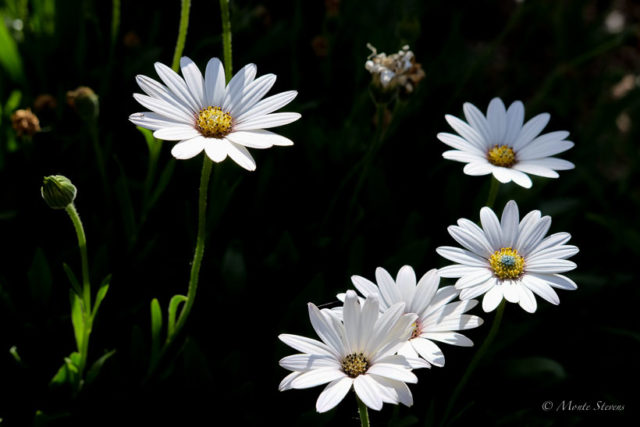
[(509, 259)]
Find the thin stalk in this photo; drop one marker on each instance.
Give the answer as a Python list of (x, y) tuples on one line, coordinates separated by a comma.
[(199, 251), (226, 38), (182, 34), (86, 285), (493, 192), (363, 412), (495, 326)]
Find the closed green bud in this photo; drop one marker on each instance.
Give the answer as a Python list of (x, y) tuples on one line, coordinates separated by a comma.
[(85, 102), (58, 191)]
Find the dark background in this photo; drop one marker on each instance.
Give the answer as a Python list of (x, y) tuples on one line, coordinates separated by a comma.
[(285, 235)]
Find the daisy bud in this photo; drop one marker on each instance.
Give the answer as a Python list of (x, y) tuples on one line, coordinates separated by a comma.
[(58, 191), (85, 102), (24, 122)]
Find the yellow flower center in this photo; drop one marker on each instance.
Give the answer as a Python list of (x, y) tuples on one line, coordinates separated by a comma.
[(212, 122), (507, 264), (355, 364), (502, 155), (417, 330)]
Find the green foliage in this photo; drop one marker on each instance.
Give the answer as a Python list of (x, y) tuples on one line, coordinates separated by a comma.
[(175, 302), (10, 59)]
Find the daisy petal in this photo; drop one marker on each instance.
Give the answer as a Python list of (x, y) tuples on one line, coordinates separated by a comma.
[(491, 227), (428, 351), (541, 288), (333, 394), (461, 256), (462, 156), (176, 133), (527, 300), (214, 83), (188, 149), (268, 121), (266, 106), (305, 345), (241, 156), (496, 116), (177, 86), (317, 377), (509, 223), (478, 168), (557, 281), (478, 121), (163, 108), (216, 149), (238, 82), (452, 338), (515, 118), (152, 121), (467, 132), (193, 78), (369, 391), (492, 299), (258, 138), (454, 141), (530, 130)]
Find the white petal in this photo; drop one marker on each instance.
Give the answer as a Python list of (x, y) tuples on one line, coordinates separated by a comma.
[(425, 290), (266, 106), (157, 90), (475, 278), (457, 270), (551, 163), (163, 108), (306, 345), (252, 94), (478, 121), (152, 121), (177, 86), (401, 392), (305, 362), (496, 116), (214, 83), (462, 256), (452, 338), (535, 169), (394, 372), (467, 132), (258, 138), (541, 288), (368, 391), (325, 330), (550, 266), (237, 84), (462, 156), (492, 298), (510, 291), (559, 252), (491, 227), (474, 242), (544, 149), (532, 235), (476, 291), (459, 143), (216, 149), (520, 178), (317, 377), (193, 78), (188, 149), (406, 283), (333, 394), (546, 140), (478, 168), (365, 286), (509, 223), (428, 351), (527, 300), (503, 175), (268, 121), (241, 156), (555, 239), (176, 133), (388, 290), (556, 280), (285, 384), (351, 316), (530, 130), (515, 118)]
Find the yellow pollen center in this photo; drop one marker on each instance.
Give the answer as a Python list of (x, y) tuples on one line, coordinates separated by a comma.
[(417, 330), (212, 122), (507, 264), (502, 155), (355, 364)]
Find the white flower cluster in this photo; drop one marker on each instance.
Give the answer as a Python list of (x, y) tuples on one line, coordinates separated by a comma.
[(396, 70)]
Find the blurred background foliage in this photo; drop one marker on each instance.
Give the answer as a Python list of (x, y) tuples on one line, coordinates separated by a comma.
[(292, 231)]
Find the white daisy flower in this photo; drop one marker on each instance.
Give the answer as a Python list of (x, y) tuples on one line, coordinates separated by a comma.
[(509, 259), (204, 114), (437, 318), (357, 352), (502, 145)]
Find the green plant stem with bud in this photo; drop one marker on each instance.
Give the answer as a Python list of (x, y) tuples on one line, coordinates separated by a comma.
[(495, 326), (87, 319), (363, 412)]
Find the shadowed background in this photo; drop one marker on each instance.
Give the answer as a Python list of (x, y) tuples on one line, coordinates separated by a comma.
[(291, 232)]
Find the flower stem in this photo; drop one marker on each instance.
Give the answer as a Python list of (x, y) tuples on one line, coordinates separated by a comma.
[(493, 192), (86, 285), (226, 38), (495, 326), (363, 412), (199, 251), (182, 34)]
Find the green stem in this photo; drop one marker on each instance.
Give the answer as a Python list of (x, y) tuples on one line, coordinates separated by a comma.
[(115, 22), (363, 412), (493, 192), (495, 326), (86, 285), (182, 34), (226, 38), (199, 252)]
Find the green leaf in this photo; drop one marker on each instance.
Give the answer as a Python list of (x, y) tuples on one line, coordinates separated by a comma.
[(39, 277), (97, 366), (152, 144), (13, 102), (75, 285), (102, 292), (77, 318), (175, 302), (68, 372), (156, 327), (10, 58), (14, 352)]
